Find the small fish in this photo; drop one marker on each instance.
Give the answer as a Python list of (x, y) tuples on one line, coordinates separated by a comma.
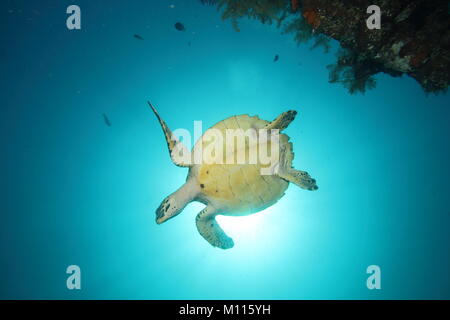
[(107, 122), (189, 44), (138, 37), (179, 26), (276, 58)]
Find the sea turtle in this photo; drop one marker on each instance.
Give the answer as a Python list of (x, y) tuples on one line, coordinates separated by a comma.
[(231, 189)]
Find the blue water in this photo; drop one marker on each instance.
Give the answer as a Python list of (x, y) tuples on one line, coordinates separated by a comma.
[(75, 191)]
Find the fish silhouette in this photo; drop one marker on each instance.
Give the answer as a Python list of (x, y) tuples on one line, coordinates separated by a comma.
[(179, 26), (138, 37), (276, 58), (107, 122)]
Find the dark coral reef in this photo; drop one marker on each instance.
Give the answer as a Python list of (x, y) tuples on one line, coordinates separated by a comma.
[(414, 38)]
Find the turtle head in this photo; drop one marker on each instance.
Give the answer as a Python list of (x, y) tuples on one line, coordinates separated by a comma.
[(174, 203), (169, 208)]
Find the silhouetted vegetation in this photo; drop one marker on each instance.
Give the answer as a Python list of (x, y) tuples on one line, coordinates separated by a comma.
[(393, 49), (352, 71)]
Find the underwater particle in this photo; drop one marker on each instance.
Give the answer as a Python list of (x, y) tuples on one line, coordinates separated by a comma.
[(179, 26), (243, 187), (275, 59), (106, 119), (138, 37), (172, 6)]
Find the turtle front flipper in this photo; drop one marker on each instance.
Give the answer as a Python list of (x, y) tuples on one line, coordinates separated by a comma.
[(179, 154), (298, 177), (209, 229), (282, 121)]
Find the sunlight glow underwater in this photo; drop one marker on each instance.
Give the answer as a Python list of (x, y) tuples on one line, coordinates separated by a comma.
[(77, 191)]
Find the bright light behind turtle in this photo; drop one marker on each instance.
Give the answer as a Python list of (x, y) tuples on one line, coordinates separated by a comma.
[(257, 232), (246, 225)]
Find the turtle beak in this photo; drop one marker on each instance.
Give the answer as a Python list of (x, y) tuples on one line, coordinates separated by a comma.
[(160, 216)]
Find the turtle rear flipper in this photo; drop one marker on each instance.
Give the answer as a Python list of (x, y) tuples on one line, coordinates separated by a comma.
[(300, 178), (210, 230), (282, 121), (179, 154)]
